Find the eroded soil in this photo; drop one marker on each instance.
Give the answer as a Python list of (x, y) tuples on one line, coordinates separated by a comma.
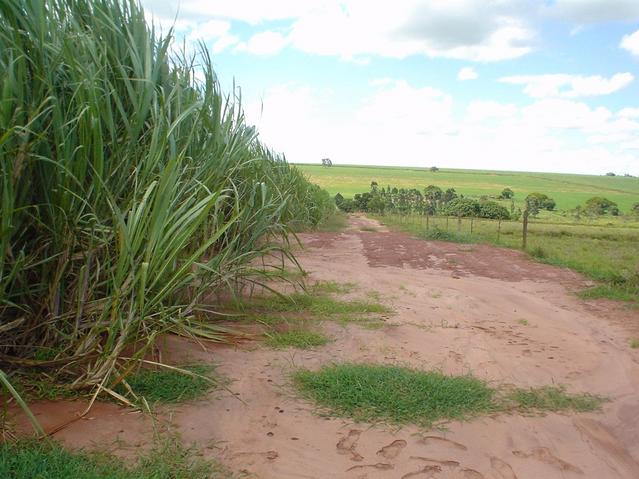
[(459, 308)]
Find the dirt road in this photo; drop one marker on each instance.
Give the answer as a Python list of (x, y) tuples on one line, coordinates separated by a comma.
[(458, 308)]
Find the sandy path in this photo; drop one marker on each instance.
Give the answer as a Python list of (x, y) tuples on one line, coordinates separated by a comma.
[(459, 309)]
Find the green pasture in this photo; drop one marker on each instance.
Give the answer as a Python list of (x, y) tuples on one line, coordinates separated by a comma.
[(568, 190)]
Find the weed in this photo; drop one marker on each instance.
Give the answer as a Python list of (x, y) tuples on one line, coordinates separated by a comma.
[(611, 291), (394, 394), (38, 459), (298, 338), (333, 223), (170, 386), (399, 395), (550, 398), (523, 322), (538, 252), (634, 343), (333, 287), (368, 229)]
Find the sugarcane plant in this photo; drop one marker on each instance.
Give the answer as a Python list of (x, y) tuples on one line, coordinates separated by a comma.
[(132, 188)]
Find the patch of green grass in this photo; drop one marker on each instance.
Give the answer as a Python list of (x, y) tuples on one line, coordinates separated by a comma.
[(611, 291), (442, 235), (550, 398), (296, 338), (319, 305), (334, 223), (396, 395), (333, 287), (634, 343), (170, 386), (368, 229), (523, 322), (48, 460), (399, 395)]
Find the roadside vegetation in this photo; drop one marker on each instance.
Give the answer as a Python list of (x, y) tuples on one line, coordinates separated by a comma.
[(132, 188), (567, 190), (292, 320), (168, 459), (596, 239), (399, 395)]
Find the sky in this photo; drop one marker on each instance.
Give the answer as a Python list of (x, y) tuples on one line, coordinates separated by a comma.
[(523, 85)]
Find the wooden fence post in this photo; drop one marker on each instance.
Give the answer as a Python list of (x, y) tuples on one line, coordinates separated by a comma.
[(427, 216), (498, 230), (446, 223), (471, 224), (524, 239), (459, 223)]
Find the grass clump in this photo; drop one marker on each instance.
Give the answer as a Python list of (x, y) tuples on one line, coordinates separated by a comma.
[(169, 386), (611, 291), (634, 343), (39, 460), (299, 338), (319, 305), (396, 395), (551, 398), (400, 395)]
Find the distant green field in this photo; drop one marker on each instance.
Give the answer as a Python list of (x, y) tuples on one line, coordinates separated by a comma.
[(567, 190)]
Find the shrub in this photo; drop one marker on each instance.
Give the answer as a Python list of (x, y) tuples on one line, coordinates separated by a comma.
[(462, 207), (539, 201), (506, 194), (493, 210), (598, 205)]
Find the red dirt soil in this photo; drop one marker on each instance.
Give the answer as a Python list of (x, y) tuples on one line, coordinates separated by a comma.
[(459, 309)]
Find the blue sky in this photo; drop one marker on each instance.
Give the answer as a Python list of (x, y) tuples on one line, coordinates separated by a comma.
[(486, 84)]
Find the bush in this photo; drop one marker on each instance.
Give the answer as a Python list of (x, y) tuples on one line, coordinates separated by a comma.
[(493, 210), (598, 205), (539, 201), (506, 194), (466, 207)]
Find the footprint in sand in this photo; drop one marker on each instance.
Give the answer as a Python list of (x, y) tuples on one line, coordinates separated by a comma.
[(502, 468), (471, 474), (543, 454), (430, 470), (347, 445), (382, 466), (443, 441), (392, 450)]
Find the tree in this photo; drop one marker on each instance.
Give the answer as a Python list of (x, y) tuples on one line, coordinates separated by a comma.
[(539, 201), (506, 194), (449, 195), (610, 174), (462, 207), (327, 162), (434, 169), (598, 205), (635, 209), (493, 210)]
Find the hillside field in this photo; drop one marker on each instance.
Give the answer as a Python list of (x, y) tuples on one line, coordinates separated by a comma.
[(568, 190)]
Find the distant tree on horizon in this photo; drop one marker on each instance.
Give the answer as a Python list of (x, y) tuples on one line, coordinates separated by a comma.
[(327, 162)]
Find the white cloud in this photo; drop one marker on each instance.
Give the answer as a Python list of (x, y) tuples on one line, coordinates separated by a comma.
[(569, 86), (402, 124), (596, 11), (264, 43), (631, 43), (356, 29), (467, 73), (462, 29), (629, 112)]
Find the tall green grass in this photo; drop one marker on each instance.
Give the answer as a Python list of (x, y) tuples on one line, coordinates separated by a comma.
[(131, 188)]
